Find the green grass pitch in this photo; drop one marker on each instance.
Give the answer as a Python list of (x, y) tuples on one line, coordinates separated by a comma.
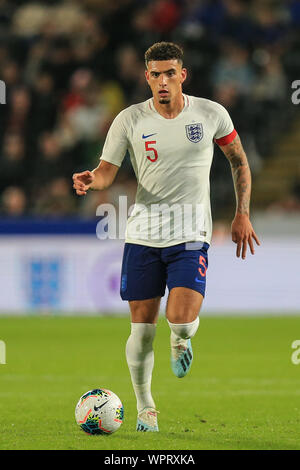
[(243, 391)]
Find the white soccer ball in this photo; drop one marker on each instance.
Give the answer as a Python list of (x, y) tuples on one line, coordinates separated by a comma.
[(99, 411)]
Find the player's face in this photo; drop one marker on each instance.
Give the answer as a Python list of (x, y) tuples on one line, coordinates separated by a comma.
[(165, 78)]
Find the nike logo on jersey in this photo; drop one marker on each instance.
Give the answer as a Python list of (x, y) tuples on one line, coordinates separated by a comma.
[(149, 135), (97, 408), (199, 280)]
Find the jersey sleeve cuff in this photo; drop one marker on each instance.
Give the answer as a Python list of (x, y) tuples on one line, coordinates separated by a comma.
[(110, 161), (227, 139)]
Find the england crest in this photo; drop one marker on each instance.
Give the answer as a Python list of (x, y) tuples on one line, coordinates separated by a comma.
[(194, 132)]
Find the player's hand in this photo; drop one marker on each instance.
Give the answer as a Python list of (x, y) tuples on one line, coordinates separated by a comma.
[(82, 182), (243, 235)]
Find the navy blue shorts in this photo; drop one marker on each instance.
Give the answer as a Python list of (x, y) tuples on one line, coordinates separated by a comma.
[(146, 271)]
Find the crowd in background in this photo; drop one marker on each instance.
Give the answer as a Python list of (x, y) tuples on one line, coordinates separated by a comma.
[(70, 67)]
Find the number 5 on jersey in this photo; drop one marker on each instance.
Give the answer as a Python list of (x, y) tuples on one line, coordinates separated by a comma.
[(149, 148)]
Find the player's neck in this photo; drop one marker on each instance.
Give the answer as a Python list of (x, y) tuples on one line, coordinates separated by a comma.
[(172, 109)]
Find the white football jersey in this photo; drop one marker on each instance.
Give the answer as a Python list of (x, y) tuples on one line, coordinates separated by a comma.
[(171, 159)]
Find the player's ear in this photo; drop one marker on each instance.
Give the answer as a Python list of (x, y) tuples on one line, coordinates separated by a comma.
[(183, 74), (147, 75)]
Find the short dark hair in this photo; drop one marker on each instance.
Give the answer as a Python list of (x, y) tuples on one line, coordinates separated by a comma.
[(164, 51)]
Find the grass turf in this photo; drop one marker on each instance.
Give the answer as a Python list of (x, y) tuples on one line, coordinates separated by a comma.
[(242, 392)]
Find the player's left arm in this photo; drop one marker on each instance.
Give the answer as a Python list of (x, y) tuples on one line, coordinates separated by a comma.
[(241, 227)]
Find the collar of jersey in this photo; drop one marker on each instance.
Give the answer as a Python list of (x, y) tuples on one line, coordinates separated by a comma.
[(179, 116)]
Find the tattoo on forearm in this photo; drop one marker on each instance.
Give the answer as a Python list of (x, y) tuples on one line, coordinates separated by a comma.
[(240, 173)]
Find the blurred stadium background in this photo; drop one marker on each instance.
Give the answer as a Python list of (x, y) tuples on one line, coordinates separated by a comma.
[(69, 67)]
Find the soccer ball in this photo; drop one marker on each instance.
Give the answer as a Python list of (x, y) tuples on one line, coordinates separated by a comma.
[(99, 411)]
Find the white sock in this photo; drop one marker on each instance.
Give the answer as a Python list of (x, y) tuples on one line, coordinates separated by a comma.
[(184, 330), (180, 333), (140, 360)]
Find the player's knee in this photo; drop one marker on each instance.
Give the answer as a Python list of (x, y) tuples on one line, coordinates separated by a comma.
[(145, 311)]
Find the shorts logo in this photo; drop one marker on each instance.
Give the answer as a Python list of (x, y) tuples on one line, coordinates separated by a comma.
[(123, 282), (194, 132), (199, 280)]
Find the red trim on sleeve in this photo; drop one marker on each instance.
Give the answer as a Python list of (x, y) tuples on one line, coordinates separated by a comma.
[(227, 139)]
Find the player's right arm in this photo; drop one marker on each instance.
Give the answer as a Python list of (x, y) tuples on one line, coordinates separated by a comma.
[(100, 178), (111, 159)]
